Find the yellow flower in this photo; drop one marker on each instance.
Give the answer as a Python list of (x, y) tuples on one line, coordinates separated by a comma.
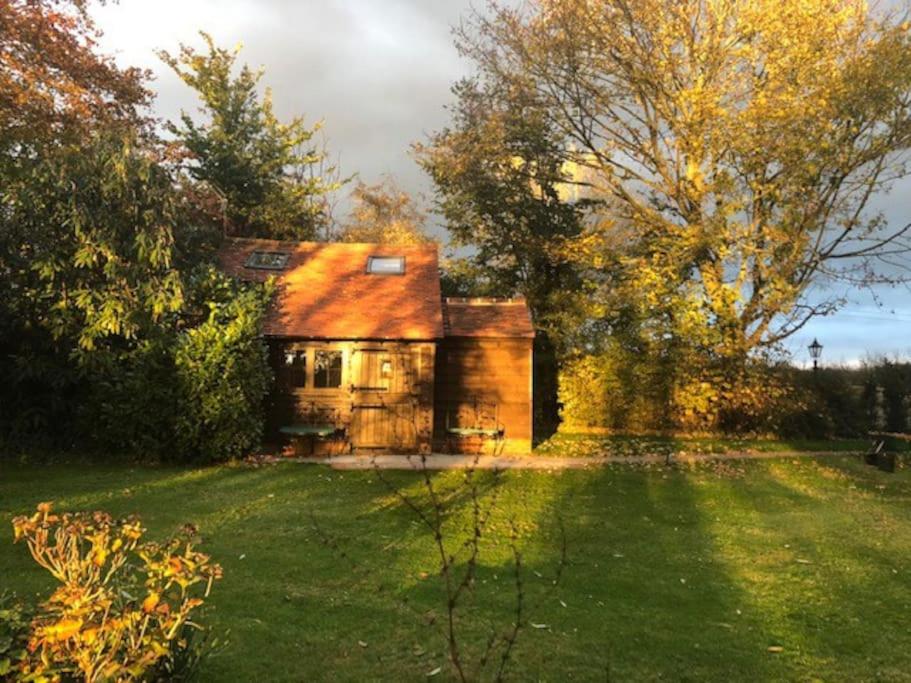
[(62, 630), (150, 602)]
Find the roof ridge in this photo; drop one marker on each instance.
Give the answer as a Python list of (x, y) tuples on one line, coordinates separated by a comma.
[(485, 300)]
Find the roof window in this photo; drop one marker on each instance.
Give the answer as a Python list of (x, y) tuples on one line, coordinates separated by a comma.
[(267, 260), (386, 265)]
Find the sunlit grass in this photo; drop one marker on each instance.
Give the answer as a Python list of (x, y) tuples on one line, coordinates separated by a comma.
[(593, 444), (688, 572)]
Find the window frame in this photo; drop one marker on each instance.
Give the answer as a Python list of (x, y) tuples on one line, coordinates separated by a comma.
[(341, 369), (374, 258), (289, 369)]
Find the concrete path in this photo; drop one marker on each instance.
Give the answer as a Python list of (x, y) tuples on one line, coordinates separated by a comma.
[(535, 462)]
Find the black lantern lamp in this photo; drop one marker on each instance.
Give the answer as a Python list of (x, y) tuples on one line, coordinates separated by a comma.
[(815, 352)]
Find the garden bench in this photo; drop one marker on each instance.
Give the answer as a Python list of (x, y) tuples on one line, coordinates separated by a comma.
[(882, 452), (316, 423), (485, 425)]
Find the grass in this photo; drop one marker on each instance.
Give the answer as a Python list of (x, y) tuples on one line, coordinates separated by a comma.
[(688, 573), (589, 444)]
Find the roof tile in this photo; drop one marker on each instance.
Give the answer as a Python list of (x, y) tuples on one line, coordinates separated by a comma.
[(487, 318), (325, 291)]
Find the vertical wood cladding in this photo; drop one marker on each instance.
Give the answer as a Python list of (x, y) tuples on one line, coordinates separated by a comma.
[(384, 401), (484, 383), (402, 396)]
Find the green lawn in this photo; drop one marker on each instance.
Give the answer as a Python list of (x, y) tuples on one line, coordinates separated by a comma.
[(677, 574), (587, 444)]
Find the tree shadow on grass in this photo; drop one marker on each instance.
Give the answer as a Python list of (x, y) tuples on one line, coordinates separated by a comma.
[(641, 598), (827, 564), (646, 598)]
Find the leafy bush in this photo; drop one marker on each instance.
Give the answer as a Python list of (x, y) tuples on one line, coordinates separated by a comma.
[(627, 389), (609, 390), (131, 400), (14, 626), (223, 377), (121, 605), (193, 393), (184, 661), (623, 391)]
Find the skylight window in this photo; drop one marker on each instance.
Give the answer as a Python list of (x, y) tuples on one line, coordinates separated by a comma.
[(267, 260), (386, 265)]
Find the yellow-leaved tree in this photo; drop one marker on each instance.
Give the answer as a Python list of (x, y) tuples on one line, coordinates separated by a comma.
[(731, 150), (384, 214), (736, 144)]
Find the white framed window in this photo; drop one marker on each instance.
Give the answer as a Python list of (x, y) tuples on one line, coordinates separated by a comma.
[(386, 265)]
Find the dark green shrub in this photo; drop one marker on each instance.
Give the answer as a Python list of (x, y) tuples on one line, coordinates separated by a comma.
[(187, 656), (894, 381), (132, 399)]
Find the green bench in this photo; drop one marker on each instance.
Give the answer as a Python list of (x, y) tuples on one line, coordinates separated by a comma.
[(475, 431), (309, 430), (484, 424)]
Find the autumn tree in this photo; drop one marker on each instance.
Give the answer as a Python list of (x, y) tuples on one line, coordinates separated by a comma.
[(385, 214), (271, 177), (503, 186), (52, 80), (736, 145)]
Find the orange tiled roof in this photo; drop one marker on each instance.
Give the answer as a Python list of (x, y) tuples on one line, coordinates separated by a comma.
[(487, 318), (325, 291)]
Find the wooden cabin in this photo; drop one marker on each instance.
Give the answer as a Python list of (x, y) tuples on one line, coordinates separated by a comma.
[(369, 358)]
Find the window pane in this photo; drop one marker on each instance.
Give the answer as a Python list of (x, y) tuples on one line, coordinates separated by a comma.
[(327, 370), (386, 265), (267, 260), (295, 369)]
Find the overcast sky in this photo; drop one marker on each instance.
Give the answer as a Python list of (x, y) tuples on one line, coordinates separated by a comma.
[(378, 73)]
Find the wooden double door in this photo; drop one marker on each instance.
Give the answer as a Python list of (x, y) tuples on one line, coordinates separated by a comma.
[(382, 401)]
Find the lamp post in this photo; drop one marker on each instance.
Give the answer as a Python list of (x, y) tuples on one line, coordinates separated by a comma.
[(815, 352)]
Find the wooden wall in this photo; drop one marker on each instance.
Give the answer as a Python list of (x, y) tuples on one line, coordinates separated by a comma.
[(482, 381), (384, 403)]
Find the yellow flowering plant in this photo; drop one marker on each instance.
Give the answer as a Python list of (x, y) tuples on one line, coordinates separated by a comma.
[(122, 605)]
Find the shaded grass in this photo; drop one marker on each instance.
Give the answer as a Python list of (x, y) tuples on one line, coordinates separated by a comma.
[(683, 573), (586, 444)]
